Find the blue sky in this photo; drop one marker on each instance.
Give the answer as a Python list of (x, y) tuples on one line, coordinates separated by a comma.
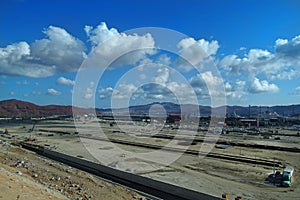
[(254, 47)]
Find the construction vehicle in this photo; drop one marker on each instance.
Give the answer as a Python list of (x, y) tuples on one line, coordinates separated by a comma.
[(287, 176)]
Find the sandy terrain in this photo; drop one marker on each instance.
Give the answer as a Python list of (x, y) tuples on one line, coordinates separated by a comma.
[(208, 175), (15, 186), (24, 175)]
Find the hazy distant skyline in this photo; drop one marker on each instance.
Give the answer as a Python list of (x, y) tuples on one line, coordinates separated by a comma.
[(255, 45)]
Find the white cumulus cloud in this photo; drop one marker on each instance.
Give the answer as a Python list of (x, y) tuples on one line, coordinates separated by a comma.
[(195, 52), (64, 81), (99, 34), (89, 92), (207, 85), (283, 63), (235, 90), (162, 76), (288, 49), (105, 93), (263, 86), (53, 92), (124, 91), (58, 52), (120, 48)]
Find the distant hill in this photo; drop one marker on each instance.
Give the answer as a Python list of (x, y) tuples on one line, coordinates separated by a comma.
[(17, 108), (288, 110)]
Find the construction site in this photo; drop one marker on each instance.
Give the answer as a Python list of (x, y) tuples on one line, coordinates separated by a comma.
[(242, 163)]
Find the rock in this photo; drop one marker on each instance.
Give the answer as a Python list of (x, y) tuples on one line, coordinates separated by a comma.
[(34, 175), (27, 165), (19, 164), (19, 173), (58, 178), (43, 183)]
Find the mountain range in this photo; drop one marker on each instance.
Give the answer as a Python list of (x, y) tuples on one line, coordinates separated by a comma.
[(244, 111), (17, 108)]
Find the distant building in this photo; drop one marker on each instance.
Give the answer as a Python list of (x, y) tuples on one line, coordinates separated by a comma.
[(173, 118), (248, 122)]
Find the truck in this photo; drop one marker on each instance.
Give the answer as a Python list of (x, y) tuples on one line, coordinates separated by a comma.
[(287, 176)]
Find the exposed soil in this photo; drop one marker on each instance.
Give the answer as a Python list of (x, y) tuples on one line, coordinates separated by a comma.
[(208, 175), (24, 175)]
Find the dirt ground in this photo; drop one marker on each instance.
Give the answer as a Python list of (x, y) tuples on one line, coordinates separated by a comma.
[(208, 175), (24, 175), (14, 186)]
